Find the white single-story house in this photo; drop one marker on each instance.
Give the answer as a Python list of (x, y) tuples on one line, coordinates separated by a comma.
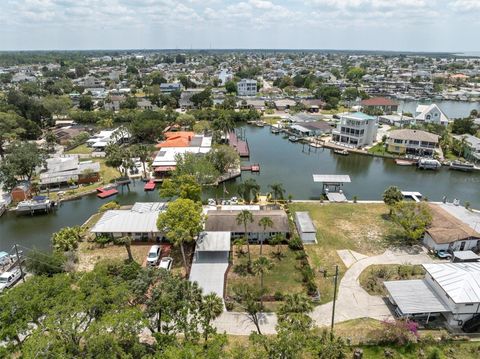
[(305, 227), (226, 221), (447, 232), (139, 222), (448, 289)]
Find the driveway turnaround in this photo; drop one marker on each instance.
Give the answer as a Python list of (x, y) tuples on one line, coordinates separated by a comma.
[(353, 301)]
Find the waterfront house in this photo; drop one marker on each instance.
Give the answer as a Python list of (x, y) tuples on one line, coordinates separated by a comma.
[(284, 104), (61, 170), (139, 222), (313, 105), (449, 290), (471, 147), (316, 128), (430, 114), (106, 137), (383, 104), (415, 142), (450, 233), (355, 130), (226, 221)]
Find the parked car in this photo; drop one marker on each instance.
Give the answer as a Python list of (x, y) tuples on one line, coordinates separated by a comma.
[(443, 254), (154, 255), (166, 263), (8, 279)]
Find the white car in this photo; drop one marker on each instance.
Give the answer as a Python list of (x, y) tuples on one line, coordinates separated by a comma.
[(8, 279), (154, 255), (166, 263)]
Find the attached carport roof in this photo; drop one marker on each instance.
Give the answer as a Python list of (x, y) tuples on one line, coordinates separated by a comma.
[(213, 242), (415, 297)]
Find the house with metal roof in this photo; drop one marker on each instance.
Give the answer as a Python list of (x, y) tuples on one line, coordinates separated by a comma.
[(448, 289), (355, 130), (139, 222)]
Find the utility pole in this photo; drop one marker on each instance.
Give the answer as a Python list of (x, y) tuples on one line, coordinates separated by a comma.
[(334, 300), (19, 263)]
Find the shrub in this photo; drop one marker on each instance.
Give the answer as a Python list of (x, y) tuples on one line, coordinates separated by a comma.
[(307, 274), (399, 332), (295, 243), (229, 305), (311, 287), (103, 240), (301, 255), (241, 269), (109, 205), (404, 271), (278, 296), (435, 354), (42, 263)]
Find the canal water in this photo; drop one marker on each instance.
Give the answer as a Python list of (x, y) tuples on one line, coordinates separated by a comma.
[(452, 109), (291, 164)]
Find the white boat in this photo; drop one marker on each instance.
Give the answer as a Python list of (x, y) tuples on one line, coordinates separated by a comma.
[(429, 164), (461, 166), (36, 204), (341, 152), (293, 138)]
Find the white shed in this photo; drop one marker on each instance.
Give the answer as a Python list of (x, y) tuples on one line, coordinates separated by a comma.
[(305, 227)]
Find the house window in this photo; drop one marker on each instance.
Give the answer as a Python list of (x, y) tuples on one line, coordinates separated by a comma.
[(469, 304)]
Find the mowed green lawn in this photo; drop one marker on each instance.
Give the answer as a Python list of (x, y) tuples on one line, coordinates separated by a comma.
[(284, 277), (361, 227)]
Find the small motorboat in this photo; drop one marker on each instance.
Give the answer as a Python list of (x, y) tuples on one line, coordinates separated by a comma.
[(316, 145), (429, 164), (341, 152), (293, 139), (275, 130), (401, 162), (462, 166)]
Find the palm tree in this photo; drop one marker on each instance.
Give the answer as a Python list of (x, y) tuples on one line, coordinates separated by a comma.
[(239, 243), (277, 192), (392, 196), (143, 152), (245, 217), (296, 303), (277, 240), (223, 124), (261, 266), (249, 189), (126, 241), (264, 222), (210, 308)]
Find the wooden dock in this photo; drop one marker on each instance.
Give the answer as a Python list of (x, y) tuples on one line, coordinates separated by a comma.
[(252, 168), (239, 145)]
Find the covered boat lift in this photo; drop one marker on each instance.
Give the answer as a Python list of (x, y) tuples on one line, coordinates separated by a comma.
[(332, 185)]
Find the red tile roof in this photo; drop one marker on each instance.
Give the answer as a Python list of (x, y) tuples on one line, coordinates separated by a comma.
[(378, 101)]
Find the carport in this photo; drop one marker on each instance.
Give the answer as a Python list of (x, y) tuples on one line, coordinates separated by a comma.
[(210, 261), (414, 298)]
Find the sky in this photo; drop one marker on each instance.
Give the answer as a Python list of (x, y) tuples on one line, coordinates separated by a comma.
[(397, 25)]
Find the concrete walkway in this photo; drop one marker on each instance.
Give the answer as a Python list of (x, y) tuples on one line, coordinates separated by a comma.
[(353, 301)]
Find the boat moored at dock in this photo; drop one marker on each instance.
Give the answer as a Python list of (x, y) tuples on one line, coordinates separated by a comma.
[(429, 164), (462, 166), (341, 152), (34, 205)]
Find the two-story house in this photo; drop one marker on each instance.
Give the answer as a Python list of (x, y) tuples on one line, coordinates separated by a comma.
[(356, 130), (430, 114), (471, 147), (414, 142)]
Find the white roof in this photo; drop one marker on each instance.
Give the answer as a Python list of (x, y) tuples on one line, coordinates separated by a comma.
[(415, 297), (461, 281), (142, 218), (305, 222), (240, 207), (332, 178), (213, 241), (166, 156), (465, 255)]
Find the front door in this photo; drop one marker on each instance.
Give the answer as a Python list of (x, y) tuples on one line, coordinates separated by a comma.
[(462, 246)]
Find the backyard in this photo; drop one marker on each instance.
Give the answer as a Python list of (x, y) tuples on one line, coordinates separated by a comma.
[(359, 227), (284, 277), (372, 278)]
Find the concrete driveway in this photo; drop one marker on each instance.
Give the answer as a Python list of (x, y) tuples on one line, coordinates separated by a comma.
[(353, 301), (208, 270)]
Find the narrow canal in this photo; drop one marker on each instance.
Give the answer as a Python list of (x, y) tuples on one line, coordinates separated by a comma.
[(281, 161)]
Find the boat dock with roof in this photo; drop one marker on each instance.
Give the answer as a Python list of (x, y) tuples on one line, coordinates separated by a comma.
[(332, 185)]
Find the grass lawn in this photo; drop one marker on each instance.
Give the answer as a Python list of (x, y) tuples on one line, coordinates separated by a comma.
[(363, 228), (450, 350), (372, 278), (379, 149), (340, 109), (81, 150), (284, 277)]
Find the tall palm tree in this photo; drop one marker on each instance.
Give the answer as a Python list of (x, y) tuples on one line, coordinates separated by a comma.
[(210, 308), (296, 303), (261, 266), (126, 241), (223, 124), (143, 152), (264, 222), (249, 190), (245, 217), (278, 192)]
